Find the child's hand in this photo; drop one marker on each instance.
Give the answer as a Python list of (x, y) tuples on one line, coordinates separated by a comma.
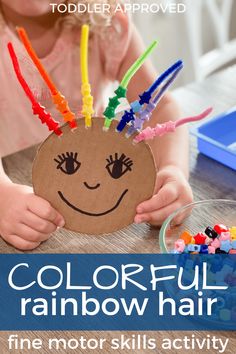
[(26, 220), (171, 192)]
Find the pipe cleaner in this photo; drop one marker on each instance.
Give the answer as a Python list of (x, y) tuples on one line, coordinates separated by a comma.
[(121, 91), (145, 97), (39, 110), (87, 98), (145, 114), (162, 129), (58, 99)]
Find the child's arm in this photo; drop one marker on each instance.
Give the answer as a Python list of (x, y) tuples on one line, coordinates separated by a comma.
[(170, 151), (26, 220)]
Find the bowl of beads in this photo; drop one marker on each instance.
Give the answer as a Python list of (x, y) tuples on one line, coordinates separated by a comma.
[(206, 227), (205, 231)]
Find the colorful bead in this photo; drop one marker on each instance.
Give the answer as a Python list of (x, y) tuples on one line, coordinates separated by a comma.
[(225, 246), (220, 228), (179, 245), (233, 243), (215, 243), (187, 237), (233, 232), (136, 106), (225, 236), (200, 239), (218, 250), (192, 241), (211, 250), (210, 232), (204, 249), (194, 248)]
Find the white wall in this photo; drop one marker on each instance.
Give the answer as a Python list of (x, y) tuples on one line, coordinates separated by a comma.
[(173, 37)]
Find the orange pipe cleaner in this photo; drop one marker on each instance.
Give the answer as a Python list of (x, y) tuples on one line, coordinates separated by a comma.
[(58, 99)]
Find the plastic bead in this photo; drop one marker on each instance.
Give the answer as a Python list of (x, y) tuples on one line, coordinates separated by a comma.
[(145, 97), (233, 243), (194, 248), (46, 118), (211, 250), (192, 241), (114, 102), (233, 232), (109, 112), (204, 249), (127, 117), (218, 250), (63, 108), (121, 92), (215, 243), (187, 237), (136, 106), (210, 232), (225, 236), (87, 108), (200, 239), (220, 228), (179, 245), (225, 246)]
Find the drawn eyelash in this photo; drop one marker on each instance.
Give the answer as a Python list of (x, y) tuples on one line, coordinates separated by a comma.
[(68, 162), (118, 166)]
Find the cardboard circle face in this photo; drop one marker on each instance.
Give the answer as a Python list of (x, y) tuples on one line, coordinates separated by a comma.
[(95, 179)]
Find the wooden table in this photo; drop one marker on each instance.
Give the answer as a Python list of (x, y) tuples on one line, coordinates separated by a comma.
[(208, 179)]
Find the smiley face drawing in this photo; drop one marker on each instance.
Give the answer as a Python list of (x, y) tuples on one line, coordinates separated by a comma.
[(95, 179)]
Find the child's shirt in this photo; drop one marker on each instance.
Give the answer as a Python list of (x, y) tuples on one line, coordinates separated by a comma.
[(18, 126)]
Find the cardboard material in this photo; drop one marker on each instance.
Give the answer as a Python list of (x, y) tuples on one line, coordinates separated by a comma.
[(95, 179)]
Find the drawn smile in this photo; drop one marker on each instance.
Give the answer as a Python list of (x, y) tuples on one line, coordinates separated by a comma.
[(93, 214)]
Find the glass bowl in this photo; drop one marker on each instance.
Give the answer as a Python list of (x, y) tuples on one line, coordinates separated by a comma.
[(197, 216)]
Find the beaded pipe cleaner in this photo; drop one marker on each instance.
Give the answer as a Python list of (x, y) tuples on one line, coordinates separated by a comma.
[(39, 110), (57, 98), (168, 127), (121, 91), (87, 98), (145, 97), (145, 114)]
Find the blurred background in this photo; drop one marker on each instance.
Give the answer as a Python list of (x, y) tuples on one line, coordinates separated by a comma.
[(204, 36)]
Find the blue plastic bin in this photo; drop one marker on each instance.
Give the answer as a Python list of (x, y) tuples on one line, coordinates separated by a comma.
[(217, 138)]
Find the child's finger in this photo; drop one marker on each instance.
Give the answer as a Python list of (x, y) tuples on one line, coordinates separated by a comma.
[(44, 210), (29, 234), (20, 243), (157, 217), (38, 224), (167, 195)]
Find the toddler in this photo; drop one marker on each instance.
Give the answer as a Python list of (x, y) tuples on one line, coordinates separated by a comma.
[(27, 220)]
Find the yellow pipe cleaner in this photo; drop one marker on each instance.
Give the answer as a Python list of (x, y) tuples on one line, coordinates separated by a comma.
[(87, 98)]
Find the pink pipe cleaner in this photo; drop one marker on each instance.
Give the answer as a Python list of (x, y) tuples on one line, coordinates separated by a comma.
[(168, 127)]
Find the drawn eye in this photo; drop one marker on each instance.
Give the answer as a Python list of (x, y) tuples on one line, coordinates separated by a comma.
[(118, 166), (68, 163)]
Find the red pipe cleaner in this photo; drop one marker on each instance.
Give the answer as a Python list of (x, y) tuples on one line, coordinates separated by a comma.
[(37, 108)]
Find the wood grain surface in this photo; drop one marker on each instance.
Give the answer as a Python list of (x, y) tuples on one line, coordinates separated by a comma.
[(208, 179)]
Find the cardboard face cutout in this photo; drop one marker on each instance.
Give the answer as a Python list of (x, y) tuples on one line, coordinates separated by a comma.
[(95, 179), (95, 176)]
